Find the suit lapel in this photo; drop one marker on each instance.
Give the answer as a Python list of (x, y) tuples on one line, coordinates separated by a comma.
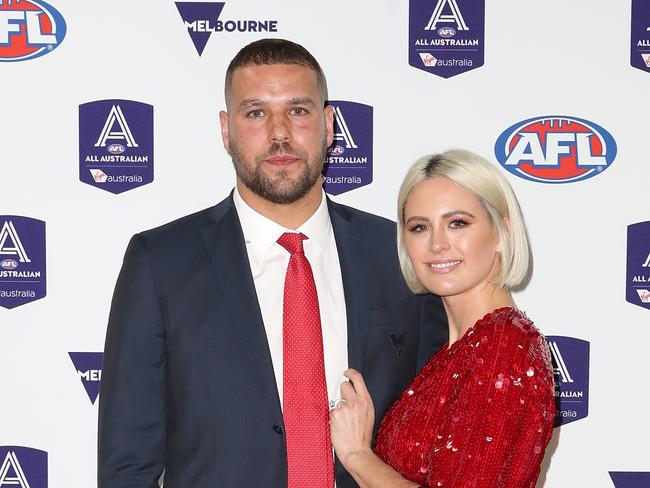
[(227, 250), (225, 245), (354, 270)]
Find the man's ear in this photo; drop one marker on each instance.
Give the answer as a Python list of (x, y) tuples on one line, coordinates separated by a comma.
[(329, 124), (223, 120)]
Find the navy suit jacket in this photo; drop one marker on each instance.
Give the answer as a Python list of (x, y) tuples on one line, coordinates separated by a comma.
[(187, 382)]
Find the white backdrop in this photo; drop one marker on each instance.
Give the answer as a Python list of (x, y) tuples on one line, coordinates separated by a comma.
[(552, 57)]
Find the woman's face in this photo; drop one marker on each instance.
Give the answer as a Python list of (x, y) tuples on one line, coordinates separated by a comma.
[(449, 237)]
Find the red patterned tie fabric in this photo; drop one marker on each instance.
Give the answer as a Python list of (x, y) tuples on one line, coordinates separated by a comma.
[(305, 408)]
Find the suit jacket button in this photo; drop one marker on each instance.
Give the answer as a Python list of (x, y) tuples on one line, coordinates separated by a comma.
[(278, 429)]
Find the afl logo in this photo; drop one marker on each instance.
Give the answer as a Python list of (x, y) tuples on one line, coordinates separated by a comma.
[(555, 149), (447, 32), (29, 29), (336, 150), (9, 264), (115, 148)]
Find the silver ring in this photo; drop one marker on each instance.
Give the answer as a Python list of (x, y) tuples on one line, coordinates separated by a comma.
[(338, 402)]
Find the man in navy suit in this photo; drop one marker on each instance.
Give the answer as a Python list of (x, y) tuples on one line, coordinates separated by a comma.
[(192, 380)]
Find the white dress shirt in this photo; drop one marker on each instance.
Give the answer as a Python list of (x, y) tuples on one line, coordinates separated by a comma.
[(269, 261)]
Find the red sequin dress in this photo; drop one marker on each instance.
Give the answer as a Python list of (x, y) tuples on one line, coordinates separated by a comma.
[(480, 413)]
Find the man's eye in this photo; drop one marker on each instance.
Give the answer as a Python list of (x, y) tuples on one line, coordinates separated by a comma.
[(255, 114), (298, 111)]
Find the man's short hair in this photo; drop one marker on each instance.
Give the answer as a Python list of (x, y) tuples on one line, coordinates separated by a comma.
[(275, 51)]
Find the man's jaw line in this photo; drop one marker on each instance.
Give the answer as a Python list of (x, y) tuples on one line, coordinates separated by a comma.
[(290, 215)]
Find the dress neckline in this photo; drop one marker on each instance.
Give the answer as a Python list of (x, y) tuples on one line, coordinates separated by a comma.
[(488, 317)]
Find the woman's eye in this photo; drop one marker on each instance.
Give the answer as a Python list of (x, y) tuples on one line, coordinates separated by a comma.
[(418, 228), (458, 223)]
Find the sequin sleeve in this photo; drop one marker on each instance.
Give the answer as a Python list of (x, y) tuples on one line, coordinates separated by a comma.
[(502, 418)]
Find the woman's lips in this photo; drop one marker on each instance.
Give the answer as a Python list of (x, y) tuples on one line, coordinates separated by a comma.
[(443, 266)]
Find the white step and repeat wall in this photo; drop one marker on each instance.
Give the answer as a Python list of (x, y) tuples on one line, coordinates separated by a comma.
[(109, 126)]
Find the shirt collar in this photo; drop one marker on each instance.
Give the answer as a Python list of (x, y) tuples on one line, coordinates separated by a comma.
[(261, 233)]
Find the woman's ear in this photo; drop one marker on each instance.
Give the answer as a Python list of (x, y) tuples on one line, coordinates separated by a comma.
[(506, 224)]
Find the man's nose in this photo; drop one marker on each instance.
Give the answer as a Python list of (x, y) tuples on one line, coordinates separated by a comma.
[(279, 129)]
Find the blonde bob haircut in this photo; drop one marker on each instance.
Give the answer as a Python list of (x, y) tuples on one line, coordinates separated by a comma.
[(482, 178)]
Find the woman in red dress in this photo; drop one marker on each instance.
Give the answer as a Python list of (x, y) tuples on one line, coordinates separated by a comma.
[(480, 413)]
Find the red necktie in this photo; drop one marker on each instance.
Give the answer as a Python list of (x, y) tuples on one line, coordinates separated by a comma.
[(305, 408)]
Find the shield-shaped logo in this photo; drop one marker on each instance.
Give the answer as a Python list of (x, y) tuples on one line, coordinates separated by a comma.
[(570, 357), (116, 144), (446, 37), (349, 158), (640, 35), (637, 276), (22, 260), (23, 467)]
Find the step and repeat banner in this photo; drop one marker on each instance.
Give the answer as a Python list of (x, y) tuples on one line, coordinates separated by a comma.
[(109, 126)]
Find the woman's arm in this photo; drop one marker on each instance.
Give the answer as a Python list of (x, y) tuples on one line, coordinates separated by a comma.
[(369, 471), (351, 426), (502, 420)]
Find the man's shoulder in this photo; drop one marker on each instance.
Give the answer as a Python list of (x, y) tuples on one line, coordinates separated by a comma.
[(189, 224), (362, 218)]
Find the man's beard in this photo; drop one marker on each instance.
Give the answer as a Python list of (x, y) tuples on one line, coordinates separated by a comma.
[(281, 189)]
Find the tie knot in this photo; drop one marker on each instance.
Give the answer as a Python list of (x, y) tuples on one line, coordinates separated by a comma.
[(292, 242)]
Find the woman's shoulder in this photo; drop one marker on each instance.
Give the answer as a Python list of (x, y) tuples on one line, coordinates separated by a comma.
[(508, 322), (509, 334)]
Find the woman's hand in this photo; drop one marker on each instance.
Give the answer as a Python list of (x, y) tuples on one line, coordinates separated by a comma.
[(351, 423), (353, 419)]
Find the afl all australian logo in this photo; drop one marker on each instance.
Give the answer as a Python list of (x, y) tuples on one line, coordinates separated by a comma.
[(29, 29), (555, 149)]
